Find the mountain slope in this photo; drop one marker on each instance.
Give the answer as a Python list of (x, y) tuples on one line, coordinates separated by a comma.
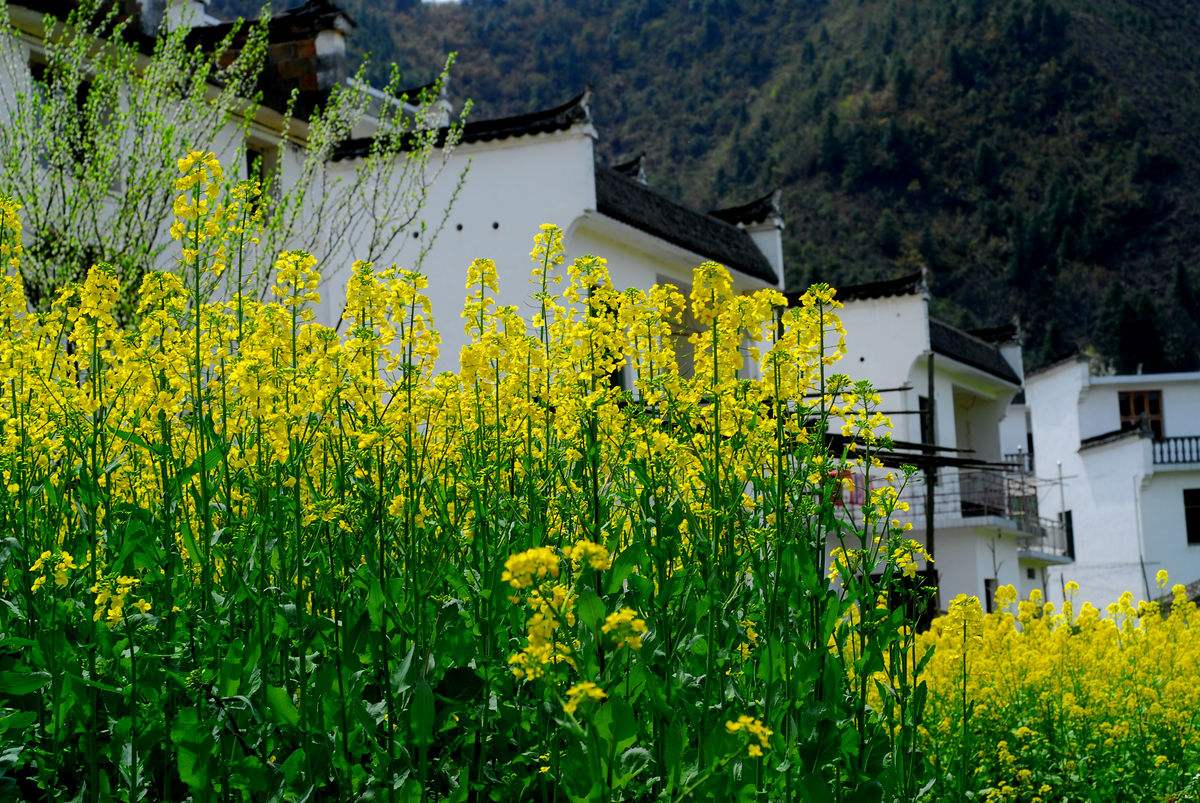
[(1040, 157)]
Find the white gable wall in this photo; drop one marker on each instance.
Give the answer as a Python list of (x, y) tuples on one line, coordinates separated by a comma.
[(886, 339)]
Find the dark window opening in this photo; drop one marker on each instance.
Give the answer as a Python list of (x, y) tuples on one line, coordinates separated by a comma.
[(1191, 514), (1068, 525), (1142, 405), (1031, 573), (262, 163), (924, 408), (989, 593)]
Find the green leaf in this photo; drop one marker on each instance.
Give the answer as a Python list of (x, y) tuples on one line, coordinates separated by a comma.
[(623, 566), (189, 542), (589, 609), (231, 671), (421, 713), (281, 706), (193, 748), (17, 720), (293, 766), (676, 743), (616, 724), (16, 683)]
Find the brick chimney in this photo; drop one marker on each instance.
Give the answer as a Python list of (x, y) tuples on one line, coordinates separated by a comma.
[(307, 47)]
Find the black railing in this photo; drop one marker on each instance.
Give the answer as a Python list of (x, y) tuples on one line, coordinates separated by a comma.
[(1182, 449), (968, 494)]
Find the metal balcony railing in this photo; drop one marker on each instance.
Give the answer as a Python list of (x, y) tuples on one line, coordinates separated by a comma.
[(975, 493), (1177, 450)]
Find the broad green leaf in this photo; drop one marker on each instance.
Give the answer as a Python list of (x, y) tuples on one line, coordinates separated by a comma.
[(421, 712), (282, 708), (17, 683)]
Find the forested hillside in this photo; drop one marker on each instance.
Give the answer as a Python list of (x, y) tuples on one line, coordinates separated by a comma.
[(1039, 156)]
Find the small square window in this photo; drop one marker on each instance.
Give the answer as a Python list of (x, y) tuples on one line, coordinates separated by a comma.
[(1031, 573), (1191, 514), (1137, 406)]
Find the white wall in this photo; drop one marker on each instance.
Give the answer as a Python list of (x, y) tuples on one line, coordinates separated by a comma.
[(1102, 494), (769, 239), (511, 188), (1164, 530), (1014, 427), (1100, 411), (967, 556), (1027, 584)]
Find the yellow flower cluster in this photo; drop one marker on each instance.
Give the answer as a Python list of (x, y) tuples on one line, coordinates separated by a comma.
[(594, 555), (617, 460), (1028, 696), (62, 566), (759, 734), (527, 568), (111, 597), (581, 692), (625, 628)]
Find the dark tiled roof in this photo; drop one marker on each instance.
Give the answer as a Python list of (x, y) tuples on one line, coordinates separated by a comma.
[(907, 285), (1190, 591), (1074, 357), (292, 25), (1004, 333), (956, 344), (759, 210), (634, 204), (547, 121), (1115, 435)]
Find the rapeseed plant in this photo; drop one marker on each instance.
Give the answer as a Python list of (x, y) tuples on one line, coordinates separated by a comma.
[(246, 555)]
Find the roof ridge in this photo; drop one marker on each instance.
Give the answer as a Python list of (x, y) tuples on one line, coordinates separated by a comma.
[(753, 211), (666, 198), (988, 357), (542, 121)]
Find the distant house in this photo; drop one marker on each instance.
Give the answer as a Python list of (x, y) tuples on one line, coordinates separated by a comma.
[(965, 430), (1122, 452)]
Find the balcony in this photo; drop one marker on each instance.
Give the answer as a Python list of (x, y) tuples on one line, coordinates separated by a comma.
[(964, 496), (1176, 451)]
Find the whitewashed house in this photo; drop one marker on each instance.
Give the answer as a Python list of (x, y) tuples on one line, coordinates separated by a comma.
[(542, 167), (1121, 454), (956, 402)]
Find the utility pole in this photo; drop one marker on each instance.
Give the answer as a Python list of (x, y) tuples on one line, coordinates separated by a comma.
[(930, 470)]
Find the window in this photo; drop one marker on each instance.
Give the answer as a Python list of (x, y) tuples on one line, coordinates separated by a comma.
[(1191, 514), (1031, 573), (1142, 405), (1068, 525), (989, 593), (262, 162), (924, 413)]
